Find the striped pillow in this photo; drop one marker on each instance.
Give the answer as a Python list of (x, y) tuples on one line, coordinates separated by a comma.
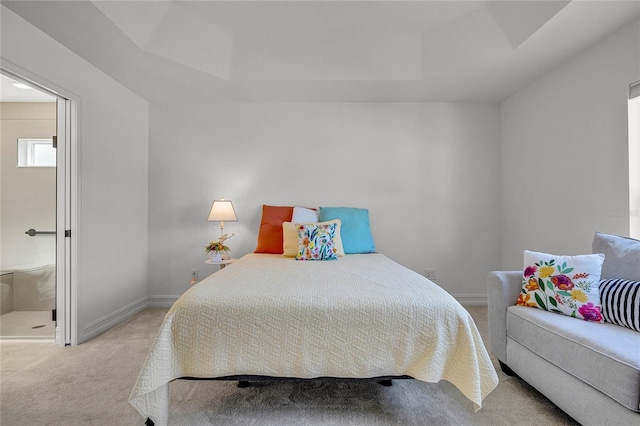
[(621, 302)]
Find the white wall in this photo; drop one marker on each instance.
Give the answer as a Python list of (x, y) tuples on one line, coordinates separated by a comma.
[(428, 173), (113, 249), (565, 152)]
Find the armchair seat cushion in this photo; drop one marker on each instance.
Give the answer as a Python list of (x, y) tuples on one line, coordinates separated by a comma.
[(605, 356)]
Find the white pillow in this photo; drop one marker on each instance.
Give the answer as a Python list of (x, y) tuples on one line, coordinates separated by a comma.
[(304, 215)]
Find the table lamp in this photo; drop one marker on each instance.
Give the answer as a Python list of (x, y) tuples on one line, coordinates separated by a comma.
[(222, 211)]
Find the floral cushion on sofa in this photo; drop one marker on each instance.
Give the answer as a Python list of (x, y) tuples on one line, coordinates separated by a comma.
[(563, 284)]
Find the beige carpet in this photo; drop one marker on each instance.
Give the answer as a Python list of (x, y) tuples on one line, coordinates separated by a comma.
[(43, 384)]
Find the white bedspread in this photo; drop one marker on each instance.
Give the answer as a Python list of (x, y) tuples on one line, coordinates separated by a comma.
[(359, 316)]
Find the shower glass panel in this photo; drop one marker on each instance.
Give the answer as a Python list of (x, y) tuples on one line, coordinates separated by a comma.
[(27, 201)]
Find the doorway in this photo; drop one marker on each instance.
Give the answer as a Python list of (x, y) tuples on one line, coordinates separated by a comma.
[(34, 212)]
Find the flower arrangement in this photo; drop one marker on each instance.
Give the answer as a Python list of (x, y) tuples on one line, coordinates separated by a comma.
[(218, 245)]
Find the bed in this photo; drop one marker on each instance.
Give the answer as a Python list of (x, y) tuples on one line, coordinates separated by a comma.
[(361, 316)]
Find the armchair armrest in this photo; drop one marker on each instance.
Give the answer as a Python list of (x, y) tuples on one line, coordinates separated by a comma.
[(503, 288)]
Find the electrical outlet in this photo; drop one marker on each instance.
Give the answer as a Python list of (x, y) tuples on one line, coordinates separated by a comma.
[(430, 273), (194, 276)]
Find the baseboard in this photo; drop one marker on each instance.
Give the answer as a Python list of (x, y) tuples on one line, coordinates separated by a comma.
[(161, 301), (471, 299), (103, 324)]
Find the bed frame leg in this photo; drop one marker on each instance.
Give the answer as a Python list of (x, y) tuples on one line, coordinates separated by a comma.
[(386, 382), (244, 384), (505, 368)]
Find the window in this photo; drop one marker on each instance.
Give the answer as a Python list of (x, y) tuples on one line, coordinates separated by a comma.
[(634, 159), (36, 152)]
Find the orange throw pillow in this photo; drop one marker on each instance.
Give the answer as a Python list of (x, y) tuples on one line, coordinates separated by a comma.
[(270, 234)]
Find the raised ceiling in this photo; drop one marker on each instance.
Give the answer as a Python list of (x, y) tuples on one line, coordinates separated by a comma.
[(326, 50)]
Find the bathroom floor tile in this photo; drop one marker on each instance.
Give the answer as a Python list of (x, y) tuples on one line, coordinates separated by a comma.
[(27, 325)]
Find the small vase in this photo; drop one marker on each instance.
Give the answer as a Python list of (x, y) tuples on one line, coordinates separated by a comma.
[(216, 256)]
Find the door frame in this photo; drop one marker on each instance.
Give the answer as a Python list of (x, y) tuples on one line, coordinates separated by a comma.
[(67, 199)]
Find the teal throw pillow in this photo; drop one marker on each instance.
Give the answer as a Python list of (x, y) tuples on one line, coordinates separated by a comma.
[(355, 230)]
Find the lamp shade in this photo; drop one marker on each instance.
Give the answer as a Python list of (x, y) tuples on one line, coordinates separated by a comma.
[(222, 211)]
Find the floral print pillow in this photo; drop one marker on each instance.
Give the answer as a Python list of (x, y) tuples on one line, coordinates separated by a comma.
[(563, 284), (315, 242)]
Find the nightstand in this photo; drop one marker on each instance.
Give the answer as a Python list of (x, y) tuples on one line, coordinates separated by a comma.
[(222, 263)]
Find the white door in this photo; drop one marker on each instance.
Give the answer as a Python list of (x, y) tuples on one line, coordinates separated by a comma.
[(63, 224), (65, 196)]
